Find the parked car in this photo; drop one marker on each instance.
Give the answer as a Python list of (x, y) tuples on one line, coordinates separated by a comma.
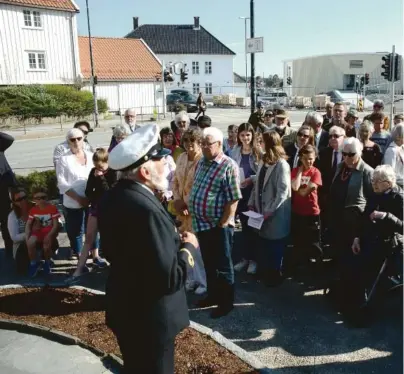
[(183, 97)]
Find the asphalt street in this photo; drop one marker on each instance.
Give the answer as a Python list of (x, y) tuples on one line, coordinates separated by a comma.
[(25, 156)]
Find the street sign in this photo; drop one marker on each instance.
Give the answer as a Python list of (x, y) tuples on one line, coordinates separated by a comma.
[(255, 45)]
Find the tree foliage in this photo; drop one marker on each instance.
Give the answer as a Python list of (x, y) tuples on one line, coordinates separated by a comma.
[(40, 101)]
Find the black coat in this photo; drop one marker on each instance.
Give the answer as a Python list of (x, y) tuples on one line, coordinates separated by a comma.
[(291, 151), (7, 177), (97, 186), (145, 288), (324, 164), (323, 143)]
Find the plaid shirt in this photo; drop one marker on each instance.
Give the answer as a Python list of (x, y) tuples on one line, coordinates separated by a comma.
[(216, 183)]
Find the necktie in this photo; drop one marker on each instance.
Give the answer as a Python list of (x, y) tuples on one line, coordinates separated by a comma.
[(334, 163)]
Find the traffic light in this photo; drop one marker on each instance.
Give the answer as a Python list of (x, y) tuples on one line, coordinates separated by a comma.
[(397, 67), (362, 81), (289, 81), (367, 78), (387, 67), (184, 75), (168, 76)]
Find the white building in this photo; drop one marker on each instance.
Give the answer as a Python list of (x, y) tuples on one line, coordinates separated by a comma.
[(208, 62), (317, 74), (38, 42), (127, 72)]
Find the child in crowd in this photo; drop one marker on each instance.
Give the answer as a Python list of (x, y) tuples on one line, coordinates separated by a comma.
[(100, 180), (42, 228), (305, 209), (380, 135), (231, 141)]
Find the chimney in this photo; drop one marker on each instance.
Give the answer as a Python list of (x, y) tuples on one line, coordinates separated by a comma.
[(196, 23), (135, 23)]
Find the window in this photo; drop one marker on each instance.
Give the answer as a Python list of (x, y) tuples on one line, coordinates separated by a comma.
[(195, 88), (32, 19), (208, 67), (355, 64), (208, 89), (36, 61), (195, 67)]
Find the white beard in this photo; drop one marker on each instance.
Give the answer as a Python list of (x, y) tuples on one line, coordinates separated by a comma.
[(160, 182)]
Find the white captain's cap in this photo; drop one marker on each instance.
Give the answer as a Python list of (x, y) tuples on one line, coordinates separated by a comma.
[(137, 148)]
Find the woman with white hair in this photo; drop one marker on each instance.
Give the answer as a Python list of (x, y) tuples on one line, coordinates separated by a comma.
[(372, 153), (394, 155), (180, 125), (349, 193), (72, 171), (119, 133)]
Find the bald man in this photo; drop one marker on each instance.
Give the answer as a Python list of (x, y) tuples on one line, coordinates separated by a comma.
[(130, 120)]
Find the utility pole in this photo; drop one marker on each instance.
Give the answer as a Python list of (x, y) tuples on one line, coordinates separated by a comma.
[(252, 80), (93, 78), (393, 77), (245, 52)]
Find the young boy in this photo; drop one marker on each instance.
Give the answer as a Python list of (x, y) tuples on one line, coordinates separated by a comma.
[(380, 135), (42, 227)]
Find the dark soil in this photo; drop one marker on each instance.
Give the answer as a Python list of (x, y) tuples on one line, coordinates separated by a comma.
[(81, 314)]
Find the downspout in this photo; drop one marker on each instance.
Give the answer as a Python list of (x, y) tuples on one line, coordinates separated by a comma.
[(74, 52)]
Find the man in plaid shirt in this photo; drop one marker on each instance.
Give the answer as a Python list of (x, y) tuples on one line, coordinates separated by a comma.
[(212, 205)]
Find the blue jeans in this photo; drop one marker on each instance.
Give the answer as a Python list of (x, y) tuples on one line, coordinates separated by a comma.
[(270, 253), (76, 220), (216, 249)]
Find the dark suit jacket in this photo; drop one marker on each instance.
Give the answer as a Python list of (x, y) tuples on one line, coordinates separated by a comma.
[(145, 288), (324, 163), (291, 152), (323, 143)]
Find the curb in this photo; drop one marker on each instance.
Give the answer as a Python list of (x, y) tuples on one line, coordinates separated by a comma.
[(112, 360)]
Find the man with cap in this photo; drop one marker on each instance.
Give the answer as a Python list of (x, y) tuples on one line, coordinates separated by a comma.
[(257, 118), (288, 136), (146, 307), (204, 122)]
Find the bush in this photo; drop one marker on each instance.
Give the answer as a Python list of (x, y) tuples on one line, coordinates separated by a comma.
[(46, 179), (39, 101)]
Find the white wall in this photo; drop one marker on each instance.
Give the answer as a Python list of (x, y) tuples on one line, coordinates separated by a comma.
[(326, 73), (221, 77), (57, 38), (123, 95)]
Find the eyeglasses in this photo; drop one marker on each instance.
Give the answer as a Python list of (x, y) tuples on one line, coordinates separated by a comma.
[(20, 199), (207, 145), (40, 197), (334, 136), (76, 139), (348, 154), (300, 134)]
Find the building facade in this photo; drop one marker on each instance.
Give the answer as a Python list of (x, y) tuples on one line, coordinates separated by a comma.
[(127, 71), (318, 74), (38, 42), (207, 61)]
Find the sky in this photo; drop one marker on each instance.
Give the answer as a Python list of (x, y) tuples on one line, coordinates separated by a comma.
[(291, 29)]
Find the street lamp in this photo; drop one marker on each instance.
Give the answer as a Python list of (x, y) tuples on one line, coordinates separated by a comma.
[(245, 51), (93, 79)]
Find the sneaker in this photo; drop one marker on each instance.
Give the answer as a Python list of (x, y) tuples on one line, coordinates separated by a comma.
[(201, 290), (252, 268), (241, 265), (76, 278), (33, 269), (100, 262), (73, 256), (46, 267)]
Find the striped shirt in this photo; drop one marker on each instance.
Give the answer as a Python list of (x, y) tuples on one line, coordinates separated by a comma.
[(216, 183)]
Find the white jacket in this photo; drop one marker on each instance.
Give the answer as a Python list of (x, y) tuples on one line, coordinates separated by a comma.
[(394, 156)]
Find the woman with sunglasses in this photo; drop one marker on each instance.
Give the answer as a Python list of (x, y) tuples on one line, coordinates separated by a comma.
[(17, 220), (72, 171), (247, 154), (305, 135), (169, 141), (349, 193)]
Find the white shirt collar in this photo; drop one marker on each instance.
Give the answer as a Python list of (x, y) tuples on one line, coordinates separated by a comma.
[(145, 187)]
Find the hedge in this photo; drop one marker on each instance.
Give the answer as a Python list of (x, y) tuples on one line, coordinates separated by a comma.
[(40, 101), (46, 179)]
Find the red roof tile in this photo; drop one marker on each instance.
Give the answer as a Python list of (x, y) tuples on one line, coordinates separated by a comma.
[(53, 4), (118, 59)]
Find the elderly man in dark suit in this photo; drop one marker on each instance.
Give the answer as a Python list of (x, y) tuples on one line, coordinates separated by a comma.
[(315, 121), (146, 302)]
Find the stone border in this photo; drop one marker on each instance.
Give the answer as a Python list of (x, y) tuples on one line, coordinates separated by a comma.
[(110, 360)]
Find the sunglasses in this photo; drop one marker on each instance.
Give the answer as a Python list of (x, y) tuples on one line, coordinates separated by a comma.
[(41, 197), (76, 139), (22, 198), (348, 154), (335, 136), (301, 135)]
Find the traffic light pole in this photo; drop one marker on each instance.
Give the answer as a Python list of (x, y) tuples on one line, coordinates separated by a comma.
[(252, 79), (393, 65)]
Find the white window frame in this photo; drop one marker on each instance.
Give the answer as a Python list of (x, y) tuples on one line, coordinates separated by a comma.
[(208, 88), (38, 62), (208, 67), (196, 88), (195, 67), (32, 19)]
